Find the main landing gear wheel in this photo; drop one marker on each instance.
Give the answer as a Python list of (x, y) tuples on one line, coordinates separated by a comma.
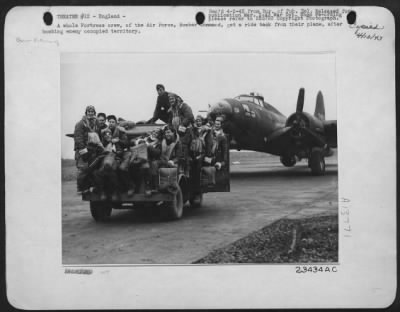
[(288, 161), (197, 200), (317, 162), (173, 210), (100, 210)]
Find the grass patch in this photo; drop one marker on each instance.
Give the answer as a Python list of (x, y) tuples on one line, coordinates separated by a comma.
[(305, 240)]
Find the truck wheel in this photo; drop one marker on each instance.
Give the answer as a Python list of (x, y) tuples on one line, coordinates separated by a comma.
[(183, 184), (317, 162), (197, 201), (100, 211), (173, 210)]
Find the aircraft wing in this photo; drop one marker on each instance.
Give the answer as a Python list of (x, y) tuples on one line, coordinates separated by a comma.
[(140, 129)]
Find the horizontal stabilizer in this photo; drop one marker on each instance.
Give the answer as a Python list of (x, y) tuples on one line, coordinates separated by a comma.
[(140, 129)]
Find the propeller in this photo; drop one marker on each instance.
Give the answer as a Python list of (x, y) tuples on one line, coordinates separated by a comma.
[(319, 107), (300, 101), (298, 120)]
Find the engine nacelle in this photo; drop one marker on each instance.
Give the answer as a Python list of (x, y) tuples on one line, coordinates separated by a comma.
[(304, 120)]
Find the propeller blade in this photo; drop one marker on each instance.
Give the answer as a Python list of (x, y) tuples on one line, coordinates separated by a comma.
[(278, 133), (300, 101), (319, 107)]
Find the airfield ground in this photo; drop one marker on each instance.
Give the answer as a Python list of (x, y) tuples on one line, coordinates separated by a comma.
[(273, 214)]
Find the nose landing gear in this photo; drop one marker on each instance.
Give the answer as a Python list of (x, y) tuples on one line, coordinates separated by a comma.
[(288, 161)]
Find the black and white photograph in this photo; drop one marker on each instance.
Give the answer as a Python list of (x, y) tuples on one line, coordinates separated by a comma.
[(199, 158), (183, 157)]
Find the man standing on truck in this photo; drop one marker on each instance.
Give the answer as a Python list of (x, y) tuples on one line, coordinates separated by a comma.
[(181, 119), (162, 106), (219, 149), (197, 153), (85, 133)]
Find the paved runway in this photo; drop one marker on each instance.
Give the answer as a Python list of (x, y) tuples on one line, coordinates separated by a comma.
[(262, 191)]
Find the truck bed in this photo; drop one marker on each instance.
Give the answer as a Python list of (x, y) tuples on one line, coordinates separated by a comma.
[(137, 197)]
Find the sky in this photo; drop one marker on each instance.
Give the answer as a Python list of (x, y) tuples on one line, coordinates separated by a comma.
[(124, 84)]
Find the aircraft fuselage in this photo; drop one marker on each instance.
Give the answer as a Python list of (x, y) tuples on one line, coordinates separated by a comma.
[(253, 124), (249, 124)]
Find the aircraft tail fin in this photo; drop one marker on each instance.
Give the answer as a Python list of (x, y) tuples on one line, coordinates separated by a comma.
[(319, 107)]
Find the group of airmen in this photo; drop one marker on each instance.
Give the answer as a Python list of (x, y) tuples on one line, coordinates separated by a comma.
[(107, 164)]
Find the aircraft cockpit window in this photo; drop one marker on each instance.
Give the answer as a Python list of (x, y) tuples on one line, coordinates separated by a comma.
[(258, 102), (244, 98), (251, 99)]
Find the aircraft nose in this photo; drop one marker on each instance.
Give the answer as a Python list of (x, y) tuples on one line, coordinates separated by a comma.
[(222, 107)]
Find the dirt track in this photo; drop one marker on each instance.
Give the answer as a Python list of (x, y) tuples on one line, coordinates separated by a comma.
[(262, 191)]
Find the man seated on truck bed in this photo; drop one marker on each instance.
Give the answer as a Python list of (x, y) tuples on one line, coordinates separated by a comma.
[(120, 158), (140, 167), (105, 177), (170, 154)]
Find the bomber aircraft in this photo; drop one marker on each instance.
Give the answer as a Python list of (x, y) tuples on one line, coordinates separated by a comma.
[(253, 124)]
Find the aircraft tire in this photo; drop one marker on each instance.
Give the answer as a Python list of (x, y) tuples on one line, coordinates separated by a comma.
[(173, 210), (288, 161), (317, 162), (100, 211)]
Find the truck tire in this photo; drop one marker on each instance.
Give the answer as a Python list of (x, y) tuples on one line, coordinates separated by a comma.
[(183, 184), (317, 162), (196, 201), (100, 211), (173, 210)]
